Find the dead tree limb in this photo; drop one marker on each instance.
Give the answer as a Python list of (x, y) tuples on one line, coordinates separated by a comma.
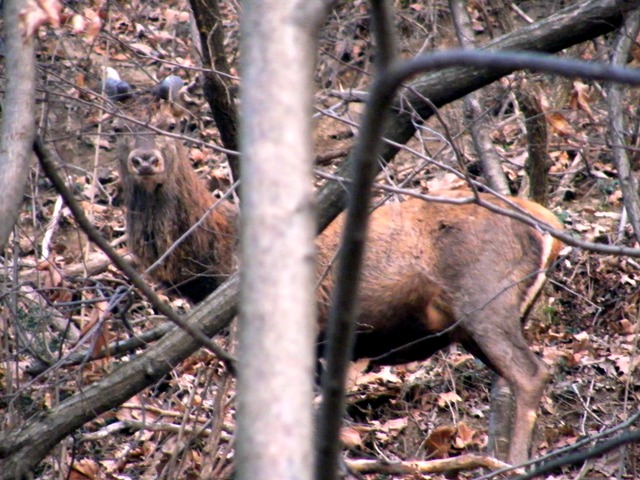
[(462, 462)]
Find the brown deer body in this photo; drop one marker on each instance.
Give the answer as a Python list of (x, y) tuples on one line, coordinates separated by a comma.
[(433, 274)]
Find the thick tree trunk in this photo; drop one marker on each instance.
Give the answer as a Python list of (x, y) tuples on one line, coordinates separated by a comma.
[(277, 300), (22, 450)]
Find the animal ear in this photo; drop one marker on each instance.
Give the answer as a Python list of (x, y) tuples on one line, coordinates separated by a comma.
[(168, 89), (168, 109), (116, 89)]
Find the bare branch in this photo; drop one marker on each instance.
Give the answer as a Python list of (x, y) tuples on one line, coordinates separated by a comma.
[(462, 462)]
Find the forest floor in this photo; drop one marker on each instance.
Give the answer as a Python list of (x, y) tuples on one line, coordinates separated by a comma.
[(585, 328)]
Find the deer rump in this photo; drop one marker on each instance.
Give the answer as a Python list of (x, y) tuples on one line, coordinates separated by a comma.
[(433, 273)]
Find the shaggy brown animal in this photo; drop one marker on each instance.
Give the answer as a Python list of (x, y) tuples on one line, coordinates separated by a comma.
[(433, 273), (164, 198)]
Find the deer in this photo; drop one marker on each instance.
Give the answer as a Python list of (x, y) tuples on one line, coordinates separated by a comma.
[(434, 273)]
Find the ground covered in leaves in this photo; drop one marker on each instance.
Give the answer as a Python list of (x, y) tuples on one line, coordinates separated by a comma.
[(60, 296)]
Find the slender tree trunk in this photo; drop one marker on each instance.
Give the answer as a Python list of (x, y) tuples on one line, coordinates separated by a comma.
[(217, 88), (479, 128), (18, 117), (277, 297), (538, 162), (617, 137)]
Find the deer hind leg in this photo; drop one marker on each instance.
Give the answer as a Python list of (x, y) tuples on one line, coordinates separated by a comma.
[(528, 389), (500, 418), (502, 347)]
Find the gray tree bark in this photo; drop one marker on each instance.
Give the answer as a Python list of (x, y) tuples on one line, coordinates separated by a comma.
[(277, 293), (616, 137), (18, 117)]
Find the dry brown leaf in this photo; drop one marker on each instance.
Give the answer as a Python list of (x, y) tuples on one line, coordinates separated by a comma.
[(559, 124), (627, 327), (552, 355), (465, 437), (37, 13), (439, 441), (582, 342), (383, 376), (622, 362), (446, 398), (580, 98), (355, 373), (84, 469), (394, 425), (350, 437)]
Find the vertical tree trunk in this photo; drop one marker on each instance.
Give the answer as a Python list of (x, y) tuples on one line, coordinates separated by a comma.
[(277, 299), (18, 116), (538, 163), (478, 127), (217, 88), (617, 132)]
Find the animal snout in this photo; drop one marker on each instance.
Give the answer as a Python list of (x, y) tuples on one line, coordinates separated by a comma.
[(146, 162)]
